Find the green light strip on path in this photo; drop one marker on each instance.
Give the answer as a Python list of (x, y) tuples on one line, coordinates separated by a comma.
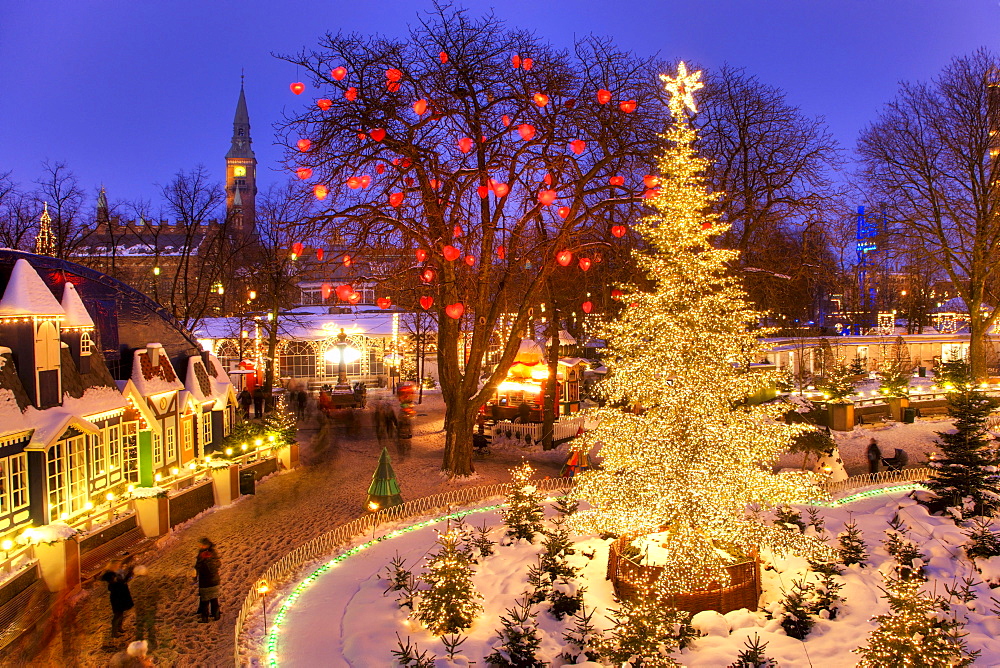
[(279, 618)]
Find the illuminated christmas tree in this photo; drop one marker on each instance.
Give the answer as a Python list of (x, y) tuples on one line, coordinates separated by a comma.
[(450, 603), (682, 450)]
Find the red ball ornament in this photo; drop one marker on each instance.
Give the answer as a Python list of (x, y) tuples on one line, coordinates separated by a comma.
[(706, 225), (547, 197), (379, 168), (618, 230), (366, 181), (427, 275), (421, 254), (303, 144), (351, 94), (450, 253), (577, 146), (603, 96), (584, 263), (392, 74), (426, 302), (420, 107), (324, 103), (587, 307), (526, 131), (455, 310), (303, 173), (338, 73), (383, 302), (651, 193), (617, 180), (628, 106), (320, 191), (563, 211), (501, 189), (470, 260), (354, 183), (344, 291), (378, 134), (541, 99), (395, 199), (457, 231), (650, 181), (616, 293), (564, 257), (465, 144), (297, 87)]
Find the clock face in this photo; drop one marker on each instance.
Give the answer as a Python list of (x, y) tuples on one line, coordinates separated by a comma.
[(239, 170)]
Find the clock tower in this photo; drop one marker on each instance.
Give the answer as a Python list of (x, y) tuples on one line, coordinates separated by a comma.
[(241, 172)]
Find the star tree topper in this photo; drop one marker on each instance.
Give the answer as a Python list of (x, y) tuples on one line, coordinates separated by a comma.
[(682, 89)]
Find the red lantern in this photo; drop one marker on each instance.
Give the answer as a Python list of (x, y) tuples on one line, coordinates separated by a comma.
[(443, 57), (451, 253), (351, 94), (563, 211), (393, 74), (379, 168), (303, 144), (354, 183), (420, 107), (320, 191), (326, 290), (354, 297), (426, 302), (706, 225), (584, 263), (616, 293), (338, 73), (541, 99), (297, 87), (427, 275), (547, 179), (651, 193), (435, 184), (603, 96), (527, 64), (515, 60), (297, 249), (505, 119), (455, 310), (378, 134), (344, 291), (650, 181), (617, 180), (393, 86), (628, 106), (577, 146), (395, 199), (547, 197), (347, 261), (405, 164), (421, 254), (303, 173), (470, 260), (501, 252), (319, 254), (324, 103), (457, 231), (618, 230), (526, 131), (564, 257), (464, 144), (383, 302), (483, 192), (501, 189), (587, 307)]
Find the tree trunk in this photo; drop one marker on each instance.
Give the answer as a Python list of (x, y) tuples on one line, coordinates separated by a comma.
[(977, 346), (458, 443), (552, 382), (272, 347)]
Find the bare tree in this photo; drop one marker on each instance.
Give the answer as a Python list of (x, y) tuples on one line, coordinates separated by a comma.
[(59, 187), (479, 138), (17, 215), (932, 157)]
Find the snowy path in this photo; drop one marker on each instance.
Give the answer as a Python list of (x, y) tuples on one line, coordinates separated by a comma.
[(289, 509)]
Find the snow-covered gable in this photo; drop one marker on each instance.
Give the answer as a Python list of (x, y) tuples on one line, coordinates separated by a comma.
[(76, 312), (51, 423), (11, 418), (208, 383), (150, 379), (27, 294)]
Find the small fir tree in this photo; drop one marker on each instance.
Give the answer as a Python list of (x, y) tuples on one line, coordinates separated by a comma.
[(983, 541), (449, 604), (967, 467), (409, 656), (837, 384), (482, 543), (918, 630), (452, 643), (557, 546), (565, 598), (852, 545), (827, 599), (565, 506), (894, 374), (518, 640), (857, 366), (753, 656), (796, 614), (281, 423), (788, 517), (397, 575), (645, 631), (539, 584), (523, 515), (909, 559), (582, 639)]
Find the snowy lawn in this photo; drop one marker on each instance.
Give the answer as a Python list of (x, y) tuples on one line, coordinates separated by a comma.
[(343, 619)]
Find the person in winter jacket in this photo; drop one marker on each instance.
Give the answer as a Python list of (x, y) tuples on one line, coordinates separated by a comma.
[(874, 456), (207, 567), (117, 576)]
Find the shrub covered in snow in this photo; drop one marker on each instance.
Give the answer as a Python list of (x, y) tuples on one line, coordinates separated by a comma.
[(518, 641), (47, 534), (147, 492)]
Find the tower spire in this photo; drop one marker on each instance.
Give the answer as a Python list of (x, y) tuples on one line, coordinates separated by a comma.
[(45, 242), (241, 169)]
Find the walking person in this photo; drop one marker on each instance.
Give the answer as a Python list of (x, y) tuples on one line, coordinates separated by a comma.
[(117, 576), (245, 400), (258, 402), (874, 456), (207, 567), (301, 399)]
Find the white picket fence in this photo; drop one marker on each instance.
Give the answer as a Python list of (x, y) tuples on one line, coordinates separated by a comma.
[(531, 432)]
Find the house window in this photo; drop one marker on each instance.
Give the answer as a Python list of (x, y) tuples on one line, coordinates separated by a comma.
[(297, 360), (115, 446), (57, 481), (76, 473), (99, 465), (130, 451), (227, 421), (48, 351), (206, 430), (171, 444), (86, 344), (4, 487), (187, 434), (157, 450), (18, 487)]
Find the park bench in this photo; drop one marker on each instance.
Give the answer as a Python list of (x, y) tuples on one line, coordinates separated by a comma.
[(872, 418)]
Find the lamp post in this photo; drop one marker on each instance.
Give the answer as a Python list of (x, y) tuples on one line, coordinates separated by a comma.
[(392, 360), (262, 589), (341, 365)]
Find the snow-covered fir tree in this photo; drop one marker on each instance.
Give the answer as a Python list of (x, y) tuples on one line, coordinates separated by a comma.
[(918, 630), (556, 548), (523, 514), (754, 655), (450, 601), (582, 638), (518, 641), (645, 631), (692, 455), (852, 545), (967, 467), (983, 540), (838, 383)]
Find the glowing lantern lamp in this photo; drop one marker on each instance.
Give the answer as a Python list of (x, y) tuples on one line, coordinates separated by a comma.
[(338, 73), (618, 230), (564, 257), (515, 60), (501, 252), (421, 254), (347, 261), (320, 191), (527, 64), (319, 254), (379, 168), (351, 94), (378, 134), (577, 146), (501, 190), (547, 197), (366, 180), (457, 231), (547, 179), (297, 87), (354, 298), (650, 181), (354, 183), (393, 74), (395, 199), (345, 291), (541, 99), (617, 180), (427, 275), (584, 263), (603, 96), (505, 119), (420, 107), (706, 225), (393, 86), (587, 307), (628, 106), (464, 144), (563, 211), (324, 103), (483, 192), (303, 173), (326, 290), (297, 248), (455, 310), (443, 57), (470, 260), (426, 302), (451, 253), (616, 293), (526, 131), (651, 193), (303, 144), (383, 302)]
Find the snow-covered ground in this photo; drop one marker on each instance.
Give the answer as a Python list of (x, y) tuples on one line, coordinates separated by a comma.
[(288, 509), (344, 619)]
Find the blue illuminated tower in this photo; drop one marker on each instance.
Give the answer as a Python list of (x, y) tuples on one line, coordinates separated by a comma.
[(872, 230)]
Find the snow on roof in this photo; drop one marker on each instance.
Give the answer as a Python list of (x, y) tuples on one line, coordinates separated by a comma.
[(150, 380), (565, 339), (27, 294), (203, 386), (305, 326), (49, 424), (10, 414), (76, 312)]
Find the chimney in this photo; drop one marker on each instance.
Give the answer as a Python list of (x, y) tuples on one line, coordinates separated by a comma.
[(153, 350)]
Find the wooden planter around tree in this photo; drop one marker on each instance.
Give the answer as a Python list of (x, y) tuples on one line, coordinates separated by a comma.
[(630, 578)]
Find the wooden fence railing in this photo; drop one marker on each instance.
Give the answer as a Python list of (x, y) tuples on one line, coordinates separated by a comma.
[(560, 430)]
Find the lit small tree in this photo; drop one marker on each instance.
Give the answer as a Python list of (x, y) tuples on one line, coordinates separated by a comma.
[(450, 603), (838, 383), (523, 515)]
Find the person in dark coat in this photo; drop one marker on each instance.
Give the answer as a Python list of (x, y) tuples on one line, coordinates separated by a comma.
[(207, 566), (245, 400), (301, 399), (874, 456), (117, 576), (258, 402)]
